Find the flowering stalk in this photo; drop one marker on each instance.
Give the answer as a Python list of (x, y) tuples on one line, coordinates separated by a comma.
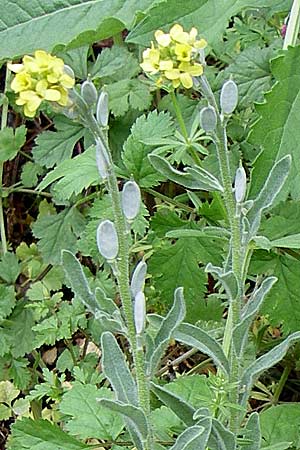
[(292, 29)]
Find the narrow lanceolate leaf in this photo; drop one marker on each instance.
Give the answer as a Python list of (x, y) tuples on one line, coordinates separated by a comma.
[(180, 407), (192, 179), (167, 328), (271, 188), (240, 332), (76, 21), (200, 339), (253, 433), (228, 279), (221, 438), (78, 281), (117, 371), (278, 134), (134, 413), (263, 363), (192, 438)]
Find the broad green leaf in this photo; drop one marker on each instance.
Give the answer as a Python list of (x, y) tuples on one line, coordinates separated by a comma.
[(277, 133), (116, 370), (78, 281), (268, 193), (252, 431), (84, 415), (240, 331), (251, 72), (54, 147), (177, 264), (8, 392), (11, 141), (115, 64), (41, 434), (193, 390), (73, 175), (9, 268), (192, 438), (7, 300), (209, 16), (200, 339), (30, 174), (134, 413), (191, 178), (74, 22), (167, 328), (58, 232), (264, 362), (177, 404), (165, 422), (280, 424), (292, 241), (128, 94)]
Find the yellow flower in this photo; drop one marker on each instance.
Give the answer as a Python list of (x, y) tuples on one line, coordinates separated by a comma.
[(40, 77), (175, 57)]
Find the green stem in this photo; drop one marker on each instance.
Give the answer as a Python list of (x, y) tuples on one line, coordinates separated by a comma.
[(167, 199), (3, 125), (237, 254), (281, 383), (293, 26), (183, 128), (123, 270)]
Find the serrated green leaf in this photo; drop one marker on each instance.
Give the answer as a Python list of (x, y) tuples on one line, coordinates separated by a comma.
[(177, 404), (135, 152), (40, 434), (8, 392), (117, 371), (9, 268), (53, 147), (11, 141), (30, 174), (73, 22), (58, 232), (128, 94), (114, 64), (7, 300), (77, 59), (278, 136), (264, 362), (192, 438), (19, 372), (167, 328), (209, 16), (85, 416)]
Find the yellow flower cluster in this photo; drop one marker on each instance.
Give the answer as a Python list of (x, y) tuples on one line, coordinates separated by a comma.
[(175, 57), (40, 77)]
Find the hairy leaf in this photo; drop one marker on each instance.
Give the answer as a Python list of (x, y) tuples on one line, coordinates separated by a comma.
[(191, 438)]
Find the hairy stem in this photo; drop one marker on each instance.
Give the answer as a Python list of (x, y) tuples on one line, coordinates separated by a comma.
[(293, 25)]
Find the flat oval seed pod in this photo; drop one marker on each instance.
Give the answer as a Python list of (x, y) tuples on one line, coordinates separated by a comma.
[(89, 92), (208, 118), (229, 97), (102, 110), (102, 159), (240, 184), (107, 240), (131, 200), (139, 312), (138, 278)]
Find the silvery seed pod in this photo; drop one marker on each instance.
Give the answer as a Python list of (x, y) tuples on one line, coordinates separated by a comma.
[(89, 92), (102, 110), (240, 184), (139, 312), (138, 278), (208, 118), (107, 240), (131, 200), (69, 71), (229, 97), (102, 159)]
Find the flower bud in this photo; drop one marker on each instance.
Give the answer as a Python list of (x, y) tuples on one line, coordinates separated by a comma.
[(139, 312), (131, 200), (229, 97), (208, 118), (102, 110), (107, 240), (102, 159), (138, 278), (89, 92), (240, 184)]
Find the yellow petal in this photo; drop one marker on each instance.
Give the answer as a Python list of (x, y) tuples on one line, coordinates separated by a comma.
[(166, 65), (200, 44), (66, 81), (53, 95), (192, 69), (162, 38), (172, 74), (176, 83), (41, 87), (186, 80), (29, 112), (16, 68), (192, 35), (178, 35), (183, 52)]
